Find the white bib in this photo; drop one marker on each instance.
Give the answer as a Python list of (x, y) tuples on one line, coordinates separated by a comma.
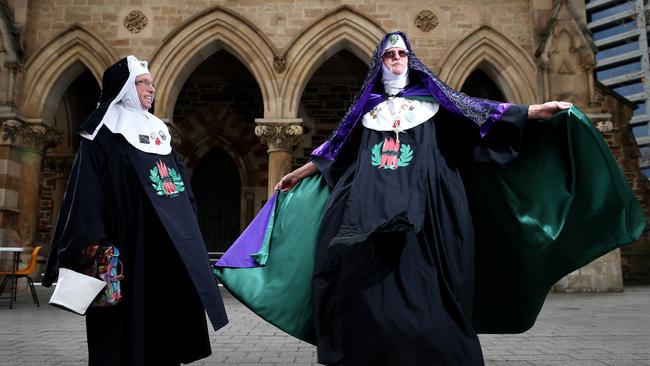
[(399, 114), (141, 129)]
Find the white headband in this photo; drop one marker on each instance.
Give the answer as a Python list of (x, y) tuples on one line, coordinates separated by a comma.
[(130, 96), (394, 41)]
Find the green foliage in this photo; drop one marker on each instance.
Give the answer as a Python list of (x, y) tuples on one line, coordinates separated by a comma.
[(376, 154), (406, 155)]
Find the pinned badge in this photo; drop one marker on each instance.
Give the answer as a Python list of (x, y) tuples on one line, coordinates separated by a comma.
[(410, 116), (162, 135), (144, 139)]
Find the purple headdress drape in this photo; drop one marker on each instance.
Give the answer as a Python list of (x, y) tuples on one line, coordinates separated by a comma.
[(482, 112)]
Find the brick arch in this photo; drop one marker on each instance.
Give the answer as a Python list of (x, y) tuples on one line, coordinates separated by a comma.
[(198, 38), (51, 70), (484, 48), (215, 125), (342, 28)]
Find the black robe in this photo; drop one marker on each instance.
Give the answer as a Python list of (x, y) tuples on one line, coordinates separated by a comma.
[(394, 274), (168, 286)]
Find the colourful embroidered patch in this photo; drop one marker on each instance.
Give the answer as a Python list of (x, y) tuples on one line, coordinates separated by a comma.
[(166, 181), (390, 154)]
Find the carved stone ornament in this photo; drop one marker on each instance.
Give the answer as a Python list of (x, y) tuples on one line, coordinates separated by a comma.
[(279, 64), (426, 20), (279, 137), (37, 136), (10, 129), (605, 126), (135, 21)]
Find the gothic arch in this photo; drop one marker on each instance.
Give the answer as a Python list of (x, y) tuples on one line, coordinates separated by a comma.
[(50, 71), (215, 125), (198, 38), (507, 64), (342, 28)]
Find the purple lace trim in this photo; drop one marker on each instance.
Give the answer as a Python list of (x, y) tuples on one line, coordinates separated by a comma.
[(483, 112)]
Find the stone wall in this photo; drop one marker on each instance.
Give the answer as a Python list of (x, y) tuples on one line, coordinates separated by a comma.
[(280, 21), (635, 258)]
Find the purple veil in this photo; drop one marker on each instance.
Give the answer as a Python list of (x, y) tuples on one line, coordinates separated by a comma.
[(484, 113)]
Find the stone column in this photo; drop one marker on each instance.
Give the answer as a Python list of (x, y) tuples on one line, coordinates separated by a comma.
[(36, 137), (28, 140), (11, 85), (8, 106), (280, 135), (9, 185)]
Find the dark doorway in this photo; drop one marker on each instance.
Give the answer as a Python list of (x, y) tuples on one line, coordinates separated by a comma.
[(327, 96), (78, 101), (217, 188), (480, 85)]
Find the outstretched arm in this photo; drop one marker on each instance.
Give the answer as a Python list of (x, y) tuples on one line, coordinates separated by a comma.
[(288, 181), (546, 110)]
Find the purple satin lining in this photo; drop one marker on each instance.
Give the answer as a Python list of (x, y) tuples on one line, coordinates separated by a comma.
[(494, 116), (250, 241)]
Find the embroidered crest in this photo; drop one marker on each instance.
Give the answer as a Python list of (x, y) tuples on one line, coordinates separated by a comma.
[(166, 181), (144, 139), (390, 154)]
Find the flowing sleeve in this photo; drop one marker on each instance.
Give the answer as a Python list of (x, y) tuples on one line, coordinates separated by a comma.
[(465, 144), (333, 170), (81, 219)]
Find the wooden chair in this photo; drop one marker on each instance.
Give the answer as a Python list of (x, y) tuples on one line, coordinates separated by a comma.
[(24, 272)]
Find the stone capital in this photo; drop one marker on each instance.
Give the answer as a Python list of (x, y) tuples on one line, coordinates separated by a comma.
[(31, 135), (279, 134)]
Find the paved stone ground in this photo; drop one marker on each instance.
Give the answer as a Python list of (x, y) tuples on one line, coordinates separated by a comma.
[(572, 329)]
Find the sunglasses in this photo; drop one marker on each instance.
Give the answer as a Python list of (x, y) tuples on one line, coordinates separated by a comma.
[(391, 53)]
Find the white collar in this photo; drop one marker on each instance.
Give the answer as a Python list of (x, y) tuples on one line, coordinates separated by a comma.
[(126, 116), (409, 113), (141, 129)]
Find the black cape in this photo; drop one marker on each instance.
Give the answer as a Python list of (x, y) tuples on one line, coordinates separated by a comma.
[(394, 276)]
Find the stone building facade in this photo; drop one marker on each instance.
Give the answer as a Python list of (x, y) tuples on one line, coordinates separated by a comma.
[(249, 88)]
